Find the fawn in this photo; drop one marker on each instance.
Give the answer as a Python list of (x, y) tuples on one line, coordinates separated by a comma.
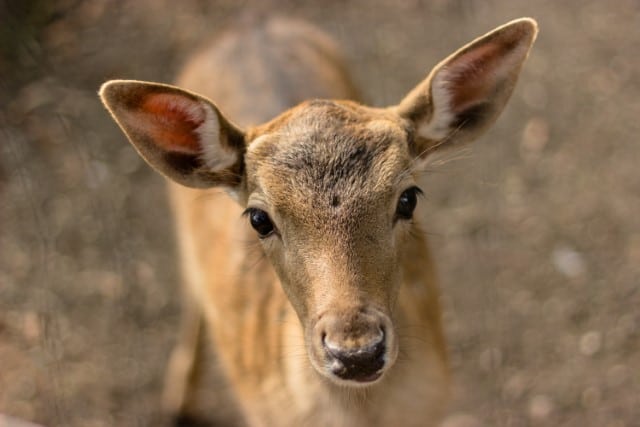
[(332, 318)]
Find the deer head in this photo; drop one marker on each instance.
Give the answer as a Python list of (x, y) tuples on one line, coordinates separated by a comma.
[(330, 186)]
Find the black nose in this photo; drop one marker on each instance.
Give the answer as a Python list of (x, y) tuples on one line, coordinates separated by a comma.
[(357, 364)]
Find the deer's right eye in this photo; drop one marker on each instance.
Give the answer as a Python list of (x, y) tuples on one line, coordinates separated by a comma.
[(260, 221), (407, 203)]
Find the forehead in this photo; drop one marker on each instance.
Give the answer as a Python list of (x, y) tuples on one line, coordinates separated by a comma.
[(329, 153)]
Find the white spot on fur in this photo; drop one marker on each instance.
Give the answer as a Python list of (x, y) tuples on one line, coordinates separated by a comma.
[(215, 155)]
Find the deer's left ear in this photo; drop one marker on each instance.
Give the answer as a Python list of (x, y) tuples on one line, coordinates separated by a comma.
[(466, 92)]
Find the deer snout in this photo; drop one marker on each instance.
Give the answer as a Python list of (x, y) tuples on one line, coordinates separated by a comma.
[(362, 364), (356, 348)]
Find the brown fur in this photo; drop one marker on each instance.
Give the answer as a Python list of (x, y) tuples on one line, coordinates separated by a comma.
[(341, 272)]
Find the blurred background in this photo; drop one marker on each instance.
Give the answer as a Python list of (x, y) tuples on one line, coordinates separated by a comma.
[(535, 228)]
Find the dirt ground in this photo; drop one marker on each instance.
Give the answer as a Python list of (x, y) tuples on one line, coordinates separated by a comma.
[(536, 228)]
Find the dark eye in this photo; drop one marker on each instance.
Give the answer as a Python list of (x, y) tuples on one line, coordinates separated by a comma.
[(407, 203), (260, 221)]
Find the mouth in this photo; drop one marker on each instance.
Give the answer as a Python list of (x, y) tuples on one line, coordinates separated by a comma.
[(370, 378), (359, 378), (351, 377)]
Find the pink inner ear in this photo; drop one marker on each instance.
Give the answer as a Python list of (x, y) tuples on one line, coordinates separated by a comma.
[(172, 120), (474, 74)]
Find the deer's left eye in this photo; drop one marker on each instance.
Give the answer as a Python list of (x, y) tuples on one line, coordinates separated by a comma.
[(407, 203)]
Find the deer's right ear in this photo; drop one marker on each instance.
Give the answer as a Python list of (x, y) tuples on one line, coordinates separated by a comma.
[(180, 134)]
